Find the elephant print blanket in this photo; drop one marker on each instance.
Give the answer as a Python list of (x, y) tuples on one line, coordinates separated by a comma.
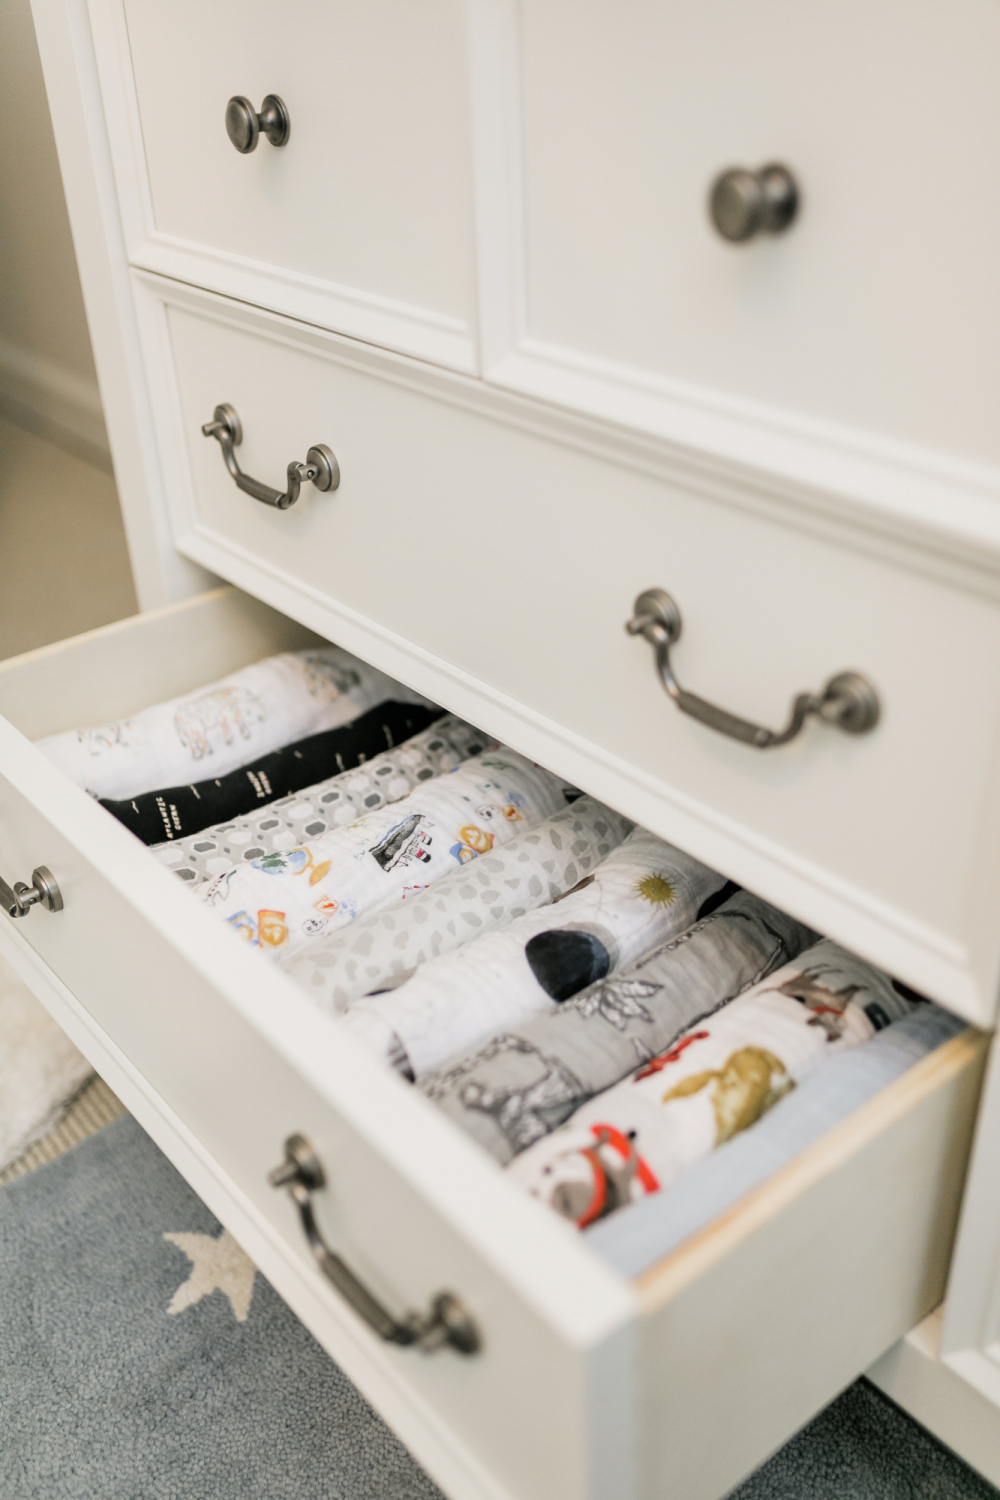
[(713, 1082), (284, 900), (225, 725), (645, 891)]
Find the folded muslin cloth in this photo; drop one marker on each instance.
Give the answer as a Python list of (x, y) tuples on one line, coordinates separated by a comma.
[(178, 812), (282, 825), (382, 949), (645, 891), (647, 1230), (717, 1079), (225, 725), (524, 1082), (286, 898)]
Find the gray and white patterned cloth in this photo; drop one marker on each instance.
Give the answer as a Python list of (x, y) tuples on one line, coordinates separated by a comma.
[(224, 725), (380, 950), (644, 892), (524, 1082), (329, 804)]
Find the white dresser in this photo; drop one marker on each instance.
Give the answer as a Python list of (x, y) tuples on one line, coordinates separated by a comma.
[(503, 316)]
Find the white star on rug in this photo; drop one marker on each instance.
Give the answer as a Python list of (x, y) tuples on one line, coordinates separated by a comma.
[(216, 1265)]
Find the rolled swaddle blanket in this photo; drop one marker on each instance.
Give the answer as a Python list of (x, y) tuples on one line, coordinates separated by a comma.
[(178, 812), (650, 1228), (224, 725), (645, 891), (713, 1082), (284, 899), (382, 949), (340, 799), (524, 1082)]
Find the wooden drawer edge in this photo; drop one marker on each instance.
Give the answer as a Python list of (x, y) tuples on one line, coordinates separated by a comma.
[(722, 1237)]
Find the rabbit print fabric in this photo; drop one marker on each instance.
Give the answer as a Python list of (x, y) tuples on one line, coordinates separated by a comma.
[(645, 891), (284, 900), (524, 1082), (711, 1084), (224, 725), (283, 825), (379, 951)]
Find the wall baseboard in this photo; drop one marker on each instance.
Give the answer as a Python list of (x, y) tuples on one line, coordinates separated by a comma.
[(51, 400)]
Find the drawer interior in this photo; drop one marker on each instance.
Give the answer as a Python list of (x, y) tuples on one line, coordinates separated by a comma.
[(771, 1284)]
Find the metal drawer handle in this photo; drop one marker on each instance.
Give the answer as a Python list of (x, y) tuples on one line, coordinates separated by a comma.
[(447, 1322), (848, 701), (43, 891), (320, 466), (244, 126)]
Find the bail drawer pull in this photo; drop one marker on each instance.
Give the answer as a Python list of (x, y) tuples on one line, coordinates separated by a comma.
[(321, 467), (848, 701), (18, 900), (446, 1322)]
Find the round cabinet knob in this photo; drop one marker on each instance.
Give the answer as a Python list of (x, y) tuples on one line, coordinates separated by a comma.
[(244, 126), (743, 204)]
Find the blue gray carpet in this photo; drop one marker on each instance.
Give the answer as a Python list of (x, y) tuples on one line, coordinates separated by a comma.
[(141, 1358)]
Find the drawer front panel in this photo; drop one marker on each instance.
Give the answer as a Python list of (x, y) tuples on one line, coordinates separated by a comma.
[(505, 566), (367, 205), (566, 1398), (868, 311)]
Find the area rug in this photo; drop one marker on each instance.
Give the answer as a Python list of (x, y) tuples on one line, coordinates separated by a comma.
[(142, 1357)]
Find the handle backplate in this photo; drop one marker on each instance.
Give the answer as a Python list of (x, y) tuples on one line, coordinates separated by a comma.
[(848, 701), (446, 1323)]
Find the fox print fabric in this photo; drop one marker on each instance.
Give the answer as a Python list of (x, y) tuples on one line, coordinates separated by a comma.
[(525, 1081), (225, 725), (281, 826), (283, 900), (178, 811), (710, 1084), (379, 951), (644, 892)]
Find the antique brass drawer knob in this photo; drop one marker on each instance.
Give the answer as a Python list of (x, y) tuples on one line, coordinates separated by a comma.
[(848, 701), (320, 467), (743, 204), (446, 1322), (44, 891), (244, 126)]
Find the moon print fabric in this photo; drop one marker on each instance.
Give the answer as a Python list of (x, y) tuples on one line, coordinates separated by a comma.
[(644, 892), (283, 900), (525, 1081), (225, 725), (282, 826), (713, 1082), (175, 812), (538, 865)]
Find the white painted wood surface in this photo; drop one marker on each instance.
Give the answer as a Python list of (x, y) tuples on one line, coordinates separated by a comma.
[(363, 221), (501, 568), (224, 1057), (851, 355)]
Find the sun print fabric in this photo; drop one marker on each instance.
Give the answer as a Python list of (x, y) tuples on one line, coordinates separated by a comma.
[(224, 725), (177, 812), (713, 1082), (283, 900), (525, 1081), (645, 891), (382, 949), (341, 799)]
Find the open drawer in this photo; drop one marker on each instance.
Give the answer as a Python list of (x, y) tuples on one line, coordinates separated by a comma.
[(585, 1384)]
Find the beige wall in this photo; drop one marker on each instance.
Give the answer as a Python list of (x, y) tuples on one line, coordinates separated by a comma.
[(46, 365)]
